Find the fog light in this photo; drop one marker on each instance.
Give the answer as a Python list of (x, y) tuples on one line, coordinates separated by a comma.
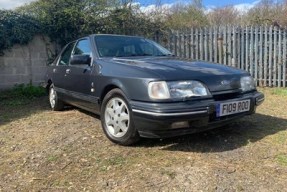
[(181, 124), (259, 101)]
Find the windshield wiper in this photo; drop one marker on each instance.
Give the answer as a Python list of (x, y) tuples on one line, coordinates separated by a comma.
[(133, 55), (163, 55)]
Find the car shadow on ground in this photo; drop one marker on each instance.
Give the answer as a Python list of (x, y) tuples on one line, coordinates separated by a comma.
[(240, 133)]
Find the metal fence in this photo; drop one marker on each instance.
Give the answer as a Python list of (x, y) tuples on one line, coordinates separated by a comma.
[(262, 51)]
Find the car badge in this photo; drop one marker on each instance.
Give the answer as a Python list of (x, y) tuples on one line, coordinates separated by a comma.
[(225, 82)]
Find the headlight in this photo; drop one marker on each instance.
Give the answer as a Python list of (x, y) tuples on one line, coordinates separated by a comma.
[(176, 89), (247, 83)]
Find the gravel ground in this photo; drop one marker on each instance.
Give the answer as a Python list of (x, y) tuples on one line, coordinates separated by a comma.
[(41, 150)]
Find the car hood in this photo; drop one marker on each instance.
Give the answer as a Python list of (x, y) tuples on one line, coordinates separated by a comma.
[(217, 77)]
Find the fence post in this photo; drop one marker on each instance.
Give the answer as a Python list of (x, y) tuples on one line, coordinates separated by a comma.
[(211, 46), (234, 48), (215, 45), (265, 55), (284, 58), (270, 56), (220, 45), (253, 48), (275, 35), (196, 47), (279, 58)]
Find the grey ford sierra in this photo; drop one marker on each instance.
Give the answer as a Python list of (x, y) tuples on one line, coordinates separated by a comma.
[(140, 89)]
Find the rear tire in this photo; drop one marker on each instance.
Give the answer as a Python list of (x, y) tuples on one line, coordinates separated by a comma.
[(55, 103), (117, 119)]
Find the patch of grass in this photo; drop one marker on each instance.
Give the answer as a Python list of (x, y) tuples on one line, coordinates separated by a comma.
[(21, 94), (282, 159), (279, 91), (281, 137), (52, 158), (117, 160), (4, 117), (170, 174)]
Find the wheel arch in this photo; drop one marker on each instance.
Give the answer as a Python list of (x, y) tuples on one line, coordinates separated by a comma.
[(114, 84), (49, 83)]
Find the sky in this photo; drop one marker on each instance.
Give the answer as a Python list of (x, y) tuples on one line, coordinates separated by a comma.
[(10, 4), (207, 3)]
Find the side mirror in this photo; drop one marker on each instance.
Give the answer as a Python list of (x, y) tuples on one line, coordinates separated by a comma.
[(81, 60)]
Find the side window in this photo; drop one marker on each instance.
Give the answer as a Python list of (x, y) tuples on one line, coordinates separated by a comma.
[(130, 49), (66, 55), (82, 48)]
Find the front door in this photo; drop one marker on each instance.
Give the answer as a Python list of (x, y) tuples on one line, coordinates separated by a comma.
[(79, 76)]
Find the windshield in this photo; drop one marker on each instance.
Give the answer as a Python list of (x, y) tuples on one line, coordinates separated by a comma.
[(125, 46)]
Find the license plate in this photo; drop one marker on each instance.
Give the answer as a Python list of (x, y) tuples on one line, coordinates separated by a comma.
[(229, 108)]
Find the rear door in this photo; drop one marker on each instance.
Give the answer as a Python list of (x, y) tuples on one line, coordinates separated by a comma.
[(59, 77)]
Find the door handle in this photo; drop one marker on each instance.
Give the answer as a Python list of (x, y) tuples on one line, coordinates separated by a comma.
[(68, 71)]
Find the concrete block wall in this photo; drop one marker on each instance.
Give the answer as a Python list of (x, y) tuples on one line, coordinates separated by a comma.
[(25, 63)]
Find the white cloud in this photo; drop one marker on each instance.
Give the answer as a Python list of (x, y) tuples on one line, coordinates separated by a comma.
[(244, 7), (165, 8), (11, 4), (152, 8)]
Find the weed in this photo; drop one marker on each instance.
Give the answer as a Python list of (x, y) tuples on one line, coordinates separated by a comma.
[(282, 159), (170, 174), (103, 169), (52, 158), (118, 160)]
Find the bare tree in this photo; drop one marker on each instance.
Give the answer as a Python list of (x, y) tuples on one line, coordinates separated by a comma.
[(224, 16)]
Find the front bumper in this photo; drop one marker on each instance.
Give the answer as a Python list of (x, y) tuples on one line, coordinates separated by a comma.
[(160, 120)]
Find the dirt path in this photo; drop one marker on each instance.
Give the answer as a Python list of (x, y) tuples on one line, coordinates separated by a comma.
[(61, 151)]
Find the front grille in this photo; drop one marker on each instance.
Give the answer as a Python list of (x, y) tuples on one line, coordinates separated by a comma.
[(226, 96)]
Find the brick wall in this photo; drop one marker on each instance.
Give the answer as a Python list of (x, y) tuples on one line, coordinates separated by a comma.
[(25, 63)]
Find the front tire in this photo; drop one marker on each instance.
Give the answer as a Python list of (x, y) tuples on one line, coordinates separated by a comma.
[(55, 103), (117, 119)]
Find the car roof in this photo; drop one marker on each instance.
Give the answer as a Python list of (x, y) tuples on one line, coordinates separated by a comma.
[(116, 35)]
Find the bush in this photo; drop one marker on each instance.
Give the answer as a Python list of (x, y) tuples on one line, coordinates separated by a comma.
[(28, 91), (16, 29), (21, 94)]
